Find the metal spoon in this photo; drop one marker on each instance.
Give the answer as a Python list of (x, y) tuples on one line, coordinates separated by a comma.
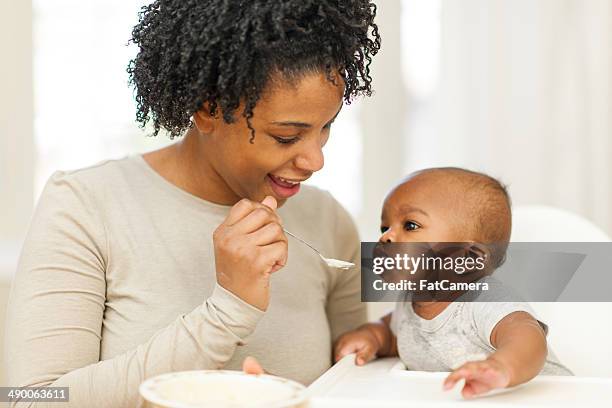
[(334, 263)]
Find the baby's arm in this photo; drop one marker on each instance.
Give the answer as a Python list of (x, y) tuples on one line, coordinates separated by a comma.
[(368, 341), (521, 350)]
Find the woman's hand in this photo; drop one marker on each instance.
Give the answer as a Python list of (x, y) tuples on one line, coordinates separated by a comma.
[(362, 342), (249, 246), (480, 377)]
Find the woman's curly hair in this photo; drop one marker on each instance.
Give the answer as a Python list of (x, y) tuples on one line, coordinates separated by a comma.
[(223, 52)]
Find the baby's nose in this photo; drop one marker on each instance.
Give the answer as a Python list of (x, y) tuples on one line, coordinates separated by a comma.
[(387, 236)]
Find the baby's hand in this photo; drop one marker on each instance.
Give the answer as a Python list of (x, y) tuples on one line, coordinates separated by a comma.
[(361, 341), (480, 377)]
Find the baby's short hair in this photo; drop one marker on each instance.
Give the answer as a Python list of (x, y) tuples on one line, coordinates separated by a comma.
[(488, 204)]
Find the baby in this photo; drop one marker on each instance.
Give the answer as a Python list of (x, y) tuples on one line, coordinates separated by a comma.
[(488, 344)]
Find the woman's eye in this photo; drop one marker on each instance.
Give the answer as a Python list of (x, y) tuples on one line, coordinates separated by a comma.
[(411, 226), (383, 229), (286, 140)]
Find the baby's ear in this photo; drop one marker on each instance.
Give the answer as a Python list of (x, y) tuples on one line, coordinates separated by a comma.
[(480, 252), (477, 250)]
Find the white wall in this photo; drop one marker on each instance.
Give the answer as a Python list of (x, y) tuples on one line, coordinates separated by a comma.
[(16, 113), (16, 139), (525, 91)]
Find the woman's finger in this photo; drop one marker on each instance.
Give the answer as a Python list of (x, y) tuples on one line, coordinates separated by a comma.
[(239, 210), (270, 201), (256, 219), (245, 206), (251, 366), (274, 256), (268, 234)]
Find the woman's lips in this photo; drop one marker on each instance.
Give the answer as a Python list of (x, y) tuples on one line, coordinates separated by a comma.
[(283, 188)]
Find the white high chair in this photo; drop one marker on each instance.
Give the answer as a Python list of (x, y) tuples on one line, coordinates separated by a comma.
[(580, 334)]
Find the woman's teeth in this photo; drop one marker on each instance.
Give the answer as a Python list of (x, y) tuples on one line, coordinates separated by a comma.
[(284, 180), (284, 188), (288, 181)]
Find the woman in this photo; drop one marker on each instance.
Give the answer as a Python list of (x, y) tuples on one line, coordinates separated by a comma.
[(176, 260)]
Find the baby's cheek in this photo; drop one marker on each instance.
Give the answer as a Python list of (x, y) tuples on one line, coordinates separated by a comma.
[(412, 236), (447, 233)]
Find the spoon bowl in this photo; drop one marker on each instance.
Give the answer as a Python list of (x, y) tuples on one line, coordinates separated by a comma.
[(331, 262)]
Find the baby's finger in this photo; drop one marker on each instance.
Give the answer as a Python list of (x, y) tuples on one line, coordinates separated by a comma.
[(452, 379), (473, 388), (344, 348), (342, 351), (366, 355), (466, 371)]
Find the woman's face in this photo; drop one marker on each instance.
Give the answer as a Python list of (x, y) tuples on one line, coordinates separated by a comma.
[(292, 123)]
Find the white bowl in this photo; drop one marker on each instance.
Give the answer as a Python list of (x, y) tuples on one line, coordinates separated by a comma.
[(221, 389)]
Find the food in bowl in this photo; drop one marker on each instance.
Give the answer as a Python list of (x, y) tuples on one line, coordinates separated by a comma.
[(221, 389)]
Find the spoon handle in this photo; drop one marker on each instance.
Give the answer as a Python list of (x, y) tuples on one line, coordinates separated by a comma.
[(302, 241)]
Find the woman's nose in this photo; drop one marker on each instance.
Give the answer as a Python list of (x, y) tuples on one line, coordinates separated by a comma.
[(311, 158)]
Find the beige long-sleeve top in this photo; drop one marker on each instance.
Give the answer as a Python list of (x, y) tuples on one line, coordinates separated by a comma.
[(116, 283)]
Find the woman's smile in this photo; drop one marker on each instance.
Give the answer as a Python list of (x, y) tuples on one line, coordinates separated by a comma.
[(283, 187)]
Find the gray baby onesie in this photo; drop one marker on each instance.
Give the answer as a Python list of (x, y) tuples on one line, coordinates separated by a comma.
[(459, 334)]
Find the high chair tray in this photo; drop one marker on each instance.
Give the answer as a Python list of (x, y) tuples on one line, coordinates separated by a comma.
[(386, 383)]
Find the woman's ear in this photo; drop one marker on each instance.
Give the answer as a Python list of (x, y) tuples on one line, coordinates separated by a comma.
[(204, 121)]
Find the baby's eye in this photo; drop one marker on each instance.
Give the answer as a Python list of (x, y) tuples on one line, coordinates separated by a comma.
[(411, 226), (383, 229)]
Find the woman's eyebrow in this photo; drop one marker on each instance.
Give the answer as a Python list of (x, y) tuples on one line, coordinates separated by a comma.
[(293, 124), (303, 125)]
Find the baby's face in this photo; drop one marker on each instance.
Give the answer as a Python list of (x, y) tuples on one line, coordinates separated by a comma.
[(423, 209)]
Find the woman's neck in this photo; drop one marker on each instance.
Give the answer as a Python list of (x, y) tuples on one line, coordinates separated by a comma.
[(186, 165)]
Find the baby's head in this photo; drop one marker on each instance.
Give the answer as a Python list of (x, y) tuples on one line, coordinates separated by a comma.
[(449, 205)]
